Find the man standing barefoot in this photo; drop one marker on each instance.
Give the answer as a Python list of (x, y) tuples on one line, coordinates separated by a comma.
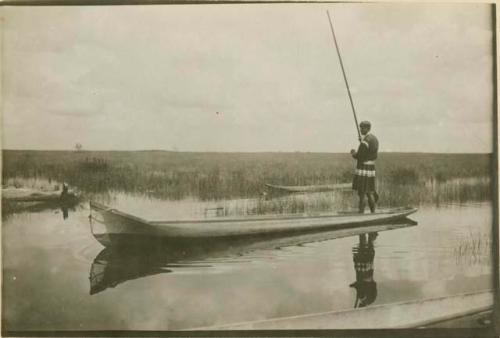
[(364, 175)]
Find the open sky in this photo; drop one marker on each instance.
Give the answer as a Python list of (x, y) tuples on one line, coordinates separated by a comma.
[(247, 77)]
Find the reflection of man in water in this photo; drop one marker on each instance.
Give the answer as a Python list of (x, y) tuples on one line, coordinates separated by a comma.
[(65, 212), (63, 200), (363, 256)]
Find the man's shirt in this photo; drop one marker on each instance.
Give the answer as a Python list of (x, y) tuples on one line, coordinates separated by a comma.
[(368, 149)]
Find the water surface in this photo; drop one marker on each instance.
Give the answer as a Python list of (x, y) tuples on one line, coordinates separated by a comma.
[(56, 276)]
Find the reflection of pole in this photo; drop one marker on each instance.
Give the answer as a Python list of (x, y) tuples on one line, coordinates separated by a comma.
[(343, 73)]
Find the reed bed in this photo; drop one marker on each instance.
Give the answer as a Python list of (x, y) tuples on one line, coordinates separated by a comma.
[(403, 178), (473, 249)]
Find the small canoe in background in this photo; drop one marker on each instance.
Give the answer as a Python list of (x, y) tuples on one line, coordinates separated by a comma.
[(108, 224), (33, 195), (310, 188)]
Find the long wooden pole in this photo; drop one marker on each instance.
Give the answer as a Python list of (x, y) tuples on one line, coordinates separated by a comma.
[(343, 72)]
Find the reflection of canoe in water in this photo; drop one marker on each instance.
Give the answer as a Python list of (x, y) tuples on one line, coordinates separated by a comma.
[(112, 268), (116, 265), (107, 223), (33, 195), (310, 188)]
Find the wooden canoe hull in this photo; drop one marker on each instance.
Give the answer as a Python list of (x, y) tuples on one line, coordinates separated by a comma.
[(422, 313), (107, 223), (31, 195)]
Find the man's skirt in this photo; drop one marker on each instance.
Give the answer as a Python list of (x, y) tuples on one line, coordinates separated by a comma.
[(364, 178)]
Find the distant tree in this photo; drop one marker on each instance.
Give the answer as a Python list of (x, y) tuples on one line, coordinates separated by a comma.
[(78, 147)]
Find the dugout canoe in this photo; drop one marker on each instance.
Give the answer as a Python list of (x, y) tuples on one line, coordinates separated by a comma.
[(34, 195), (470, 311), (309, 188), (107, 223)]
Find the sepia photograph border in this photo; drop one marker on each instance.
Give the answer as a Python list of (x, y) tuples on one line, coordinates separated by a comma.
[(493, 331)]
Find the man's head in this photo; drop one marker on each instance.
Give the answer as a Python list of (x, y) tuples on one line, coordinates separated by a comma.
[(365, 127)]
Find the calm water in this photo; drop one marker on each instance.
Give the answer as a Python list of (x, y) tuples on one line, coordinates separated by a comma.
[(56, 276)]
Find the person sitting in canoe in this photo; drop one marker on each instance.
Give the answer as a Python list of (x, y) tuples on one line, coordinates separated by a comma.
[(364, 175), (64, 192)]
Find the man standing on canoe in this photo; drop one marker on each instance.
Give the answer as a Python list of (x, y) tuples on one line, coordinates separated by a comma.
[(364, 175)]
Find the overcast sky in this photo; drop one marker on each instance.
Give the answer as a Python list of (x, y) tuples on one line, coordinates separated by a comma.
[(247, 77)]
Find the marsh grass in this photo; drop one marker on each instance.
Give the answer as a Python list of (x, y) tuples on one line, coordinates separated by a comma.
[(475, 248), (403, 178)]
